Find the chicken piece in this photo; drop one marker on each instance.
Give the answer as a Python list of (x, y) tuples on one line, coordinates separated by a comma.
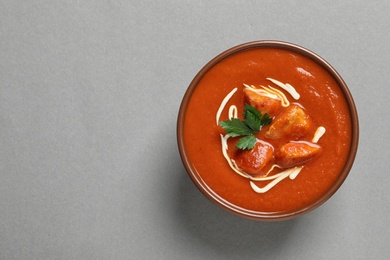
[(253, 161), (293, 123), (296, 153), (262, 103)]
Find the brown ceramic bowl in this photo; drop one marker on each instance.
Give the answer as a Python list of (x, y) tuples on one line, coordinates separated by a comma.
[(202, 183)]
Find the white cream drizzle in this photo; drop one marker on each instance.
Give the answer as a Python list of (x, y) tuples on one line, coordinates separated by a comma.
[(290, 89), (289, 172), (233, 111), (271, 92), (318, 134), (223, 104), (311, 144)]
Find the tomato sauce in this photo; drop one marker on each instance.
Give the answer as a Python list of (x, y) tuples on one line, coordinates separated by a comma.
[(320, 95)]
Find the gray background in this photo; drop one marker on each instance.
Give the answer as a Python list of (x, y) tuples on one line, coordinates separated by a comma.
[(89, 96)]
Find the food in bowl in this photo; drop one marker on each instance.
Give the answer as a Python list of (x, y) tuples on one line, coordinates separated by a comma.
[(268, 130)]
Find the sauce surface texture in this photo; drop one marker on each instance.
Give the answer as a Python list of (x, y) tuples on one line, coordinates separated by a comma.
[(320, 96)]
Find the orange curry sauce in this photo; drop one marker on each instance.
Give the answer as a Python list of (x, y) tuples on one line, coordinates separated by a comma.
[(319, 95)]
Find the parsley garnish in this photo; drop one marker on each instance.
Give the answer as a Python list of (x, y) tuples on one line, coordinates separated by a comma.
[(252, 123)]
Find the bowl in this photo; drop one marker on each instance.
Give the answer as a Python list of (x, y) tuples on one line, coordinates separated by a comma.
[(308, 83)]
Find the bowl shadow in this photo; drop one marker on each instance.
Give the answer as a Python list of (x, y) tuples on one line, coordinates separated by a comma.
[(224, 232)]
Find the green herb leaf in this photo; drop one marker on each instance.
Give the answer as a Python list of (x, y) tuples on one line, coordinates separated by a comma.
[(252, 118), (266, 120), (246, 143), (252, 123), (235, 127), (253, 110)]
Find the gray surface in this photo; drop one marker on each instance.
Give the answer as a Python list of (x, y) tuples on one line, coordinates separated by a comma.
[(89, 95)]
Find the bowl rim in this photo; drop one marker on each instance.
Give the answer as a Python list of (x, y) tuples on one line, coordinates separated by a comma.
[(234, 209)]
